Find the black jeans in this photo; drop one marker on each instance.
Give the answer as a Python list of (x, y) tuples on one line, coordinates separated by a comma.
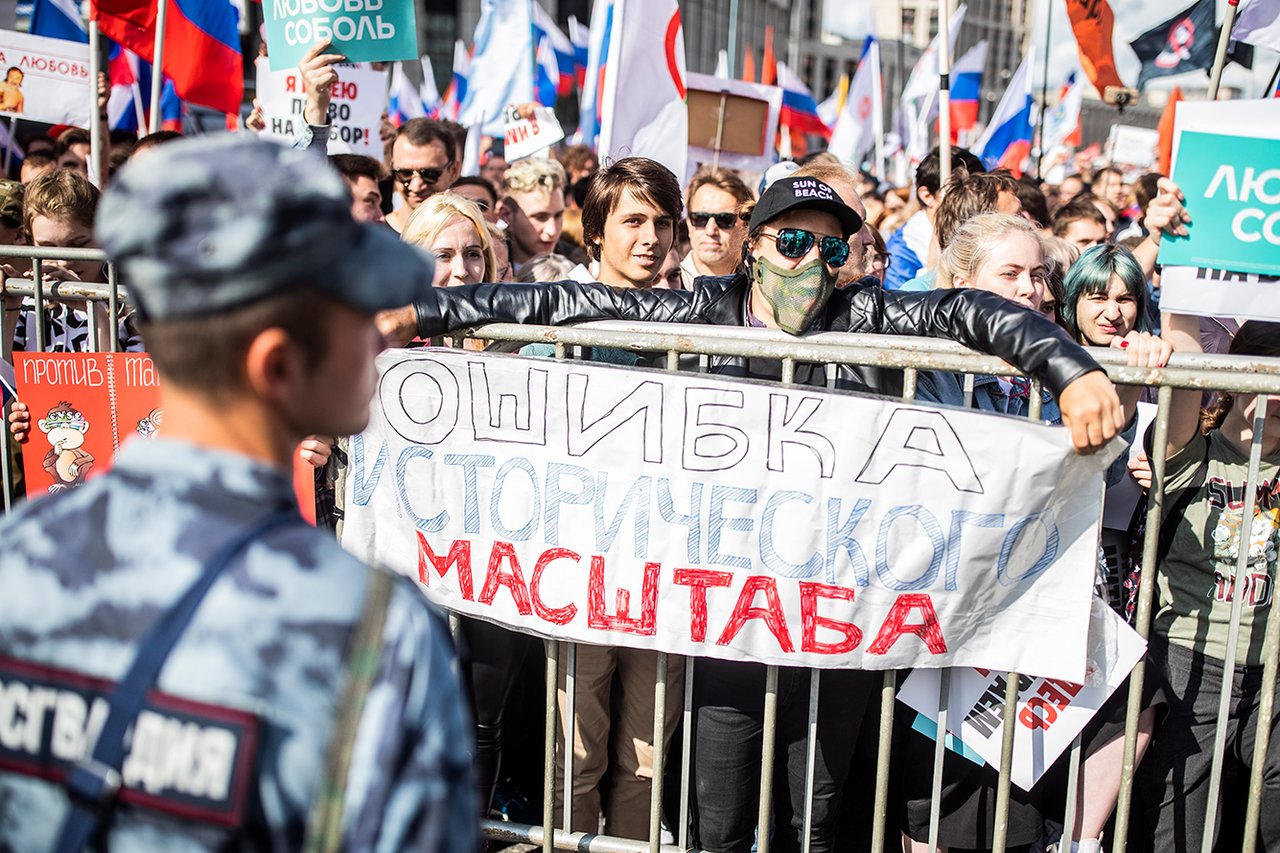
[(496, 656), (1173, 789), (728, 699)]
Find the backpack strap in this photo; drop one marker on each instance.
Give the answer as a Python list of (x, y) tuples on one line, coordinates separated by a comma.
[(324, 825), (93, 783)]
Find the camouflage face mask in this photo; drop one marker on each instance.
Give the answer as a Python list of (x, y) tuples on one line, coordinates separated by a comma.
[(796, 296)]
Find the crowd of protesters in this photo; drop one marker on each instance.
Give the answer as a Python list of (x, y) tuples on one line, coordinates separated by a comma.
[(1034, 273)]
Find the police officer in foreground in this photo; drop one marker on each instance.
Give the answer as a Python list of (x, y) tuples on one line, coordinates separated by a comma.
[(184, 663)]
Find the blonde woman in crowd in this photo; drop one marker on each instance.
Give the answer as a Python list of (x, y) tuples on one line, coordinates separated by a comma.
[(454, 230)]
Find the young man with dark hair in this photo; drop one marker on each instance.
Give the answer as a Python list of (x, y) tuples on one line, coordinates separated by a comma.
[(1034, 204), (629, 220), (477, 189), (1080, 223), (186, 593), (362, 176), (35, 164), (151, 140), (71, 150), (628, 223), (716, 233), (909, 245), (424, 160)]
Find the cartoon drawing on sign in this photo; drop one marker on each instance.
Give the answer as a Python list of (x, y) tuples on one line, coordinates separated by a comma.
[(66, 462), (11, 99), (147, 426)]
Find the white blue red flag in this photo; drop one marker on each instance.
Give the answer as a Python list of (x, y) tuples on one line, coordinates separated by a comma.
[(966, 90), (799, 108), (1007, 141)]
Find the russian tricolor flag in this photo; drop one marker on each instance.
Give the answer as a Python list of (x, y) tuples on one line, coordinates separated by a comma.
[(129, 105), (591, 96), (581, 38), (799, 108), (1007, 142), (457, 91), (966, 89), (201, 45), (550, 43)]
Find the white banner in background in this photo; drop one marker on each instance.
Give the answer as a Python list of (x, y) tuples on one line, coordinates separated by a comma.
[(44, 79), (715, 517), (1219, 293), (355, 110)]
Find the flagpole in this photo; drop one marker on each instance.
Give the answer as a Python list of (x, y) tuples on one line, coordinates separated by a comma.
[(944, 92), (1044, 85), (733, 39), (157, 65), (8, 147), (1220, 61), (95, 114)]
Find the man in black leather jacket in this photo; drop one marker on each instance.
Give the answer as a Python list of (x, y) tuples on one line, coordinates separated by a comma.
[(980, 321), (797, 241)]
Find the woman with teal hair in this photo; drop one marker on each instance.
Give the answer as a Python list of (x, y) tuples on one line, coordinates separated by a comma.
[(1105, 297), (1105, 303)]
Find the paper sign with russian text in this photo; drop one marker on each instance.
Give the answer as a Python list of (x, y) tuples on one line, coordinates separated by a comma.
[(45, 79), (355, 109), (715, 517), (85, 405), (361, 30), (1219, 293), (524, 137), (1231, 185), (1050, 712)]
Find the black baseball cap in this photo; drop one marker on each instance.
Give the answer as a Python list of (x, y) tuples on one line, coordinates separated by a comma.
[(803, 194)]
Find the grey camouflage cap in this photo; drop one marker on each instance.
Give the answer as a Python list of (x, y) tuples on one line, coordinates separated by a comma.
[(207, 225)]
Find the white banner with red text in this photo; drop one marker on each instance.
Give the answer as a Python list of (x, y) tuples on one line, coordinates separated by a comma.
[(714, 517), (1050, 712)]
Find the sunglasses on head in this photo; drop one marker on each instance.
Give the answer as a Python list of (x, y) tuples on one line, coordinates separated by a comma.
[(428, 176), (724, 220), (796, 243)]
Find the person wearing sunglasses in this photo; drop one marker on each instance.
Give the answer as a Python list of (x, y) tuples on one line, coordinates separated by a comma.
[(789, 285), (797, 242), (424, 161), (716, 234)]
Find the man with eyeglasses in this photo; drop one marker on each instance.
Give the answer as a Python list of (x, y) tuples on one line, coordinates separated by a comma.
[(424, 161), (716, 233), (797, 241)]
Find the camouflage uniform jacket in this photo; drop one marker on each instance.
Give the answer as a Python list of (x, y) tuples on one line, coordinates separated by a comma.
[(229, 752)]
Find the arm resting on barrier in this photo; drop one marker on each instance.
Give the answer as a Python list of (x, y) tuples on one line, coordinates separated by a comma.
[(981, 321), (449, 309), (1024, 338)]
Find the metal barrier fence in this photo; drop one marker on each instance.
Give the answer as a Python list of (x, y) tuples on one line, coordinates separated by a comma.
[(1237, 375), (1234, 374)]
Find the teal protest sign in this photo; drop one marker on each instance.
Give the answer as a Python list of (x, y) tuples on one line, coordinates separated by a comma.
[(361, 30), (1232, 189)]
